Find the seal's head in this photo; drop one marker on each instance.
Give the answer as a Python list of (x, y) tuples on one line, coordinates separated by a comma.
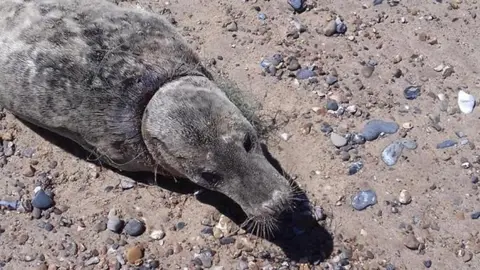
[(192, 127)]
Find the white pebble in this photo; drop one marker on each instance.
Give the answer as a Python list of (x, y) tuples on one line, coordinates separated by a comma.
[(157, 235), (466, 102), (404, 197), (285, 136)]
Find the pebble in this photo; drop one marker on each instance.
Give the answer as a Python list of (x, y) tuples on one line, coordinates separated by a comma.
[(330, 29), (411, 92), (374, 128), (331, 79), (115, 224), (134, 227), (392, 152), (466, 102), (446, 144), (447, 71), (326, 128), (37, 213), (338, 140), (340, 26), (227, 241), (409, 144), (411, 242), (367, 71), (305, 73), (332, 105), (355, 167), (358, 139), (206, 259), (101, 226), (232, 27), (427, 263), (134, 254), (41, 200), (126, 183), (297, 5), (475, 215), (180, 225), (364, 199), (293, 64), (404, 197), (345, 156), (92, 261), (157, 235)]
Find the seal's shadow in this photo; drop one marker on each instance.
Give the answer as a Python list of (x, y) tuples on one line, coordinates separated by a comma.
[(299, 234)]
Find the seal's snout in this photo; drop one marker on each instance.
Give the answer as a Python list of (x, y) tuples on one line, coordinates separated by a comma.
[(279, 202)]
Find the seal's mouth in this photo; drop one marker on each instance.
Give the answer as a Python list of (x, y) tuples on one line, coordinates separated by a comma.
[(264, 220)]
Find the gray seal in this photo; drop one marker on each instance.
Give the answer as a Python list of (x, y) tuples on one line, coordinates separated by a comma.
[(124, 85)]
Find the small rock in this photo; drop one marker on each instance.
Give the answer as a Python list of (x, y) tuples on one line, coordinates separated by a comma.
[(29, 171), (355, 167), (41, 200), (427, 263), (409, 144), (367, 71), (391, 153), (232, 27), (411, 92), (468, 256), (285, 136), (466, 102), (364, 199), (374, 128), (439, 68), (338, 140), (180, 225), (92, 261), (358, 139), (157, 235), (447, 71), (115, 224), (134, 254), (331, 79), (404, 197), (37, 213), (411, 242), (126, 183), (475, 215), (397, 59), (326, 128), (297, 5), (332, 105), (227, 241), (446, 144), (293, 64), (345, 156), (340, 26), (305, 73), (101, 226), (134, 227), (330, 29)]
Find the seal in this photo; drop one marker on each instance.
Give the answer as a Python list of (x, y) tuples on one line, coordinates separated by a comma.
[(124, 85)]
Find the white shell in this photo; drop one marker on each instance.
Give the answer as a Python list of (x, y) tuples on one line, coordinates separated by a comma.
[(466, 102)]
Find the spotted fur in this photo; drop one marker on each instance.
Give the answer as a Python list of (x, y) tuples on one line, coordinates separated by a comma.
[(125, 85)]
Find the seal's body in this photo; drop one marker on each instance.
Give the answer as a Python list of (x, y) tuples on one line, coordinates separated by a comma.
[(124, 85)]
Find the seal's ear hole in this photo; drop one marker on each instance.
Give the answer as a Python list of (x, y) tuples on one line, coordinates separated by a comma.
[(247, 143), (211, 178)]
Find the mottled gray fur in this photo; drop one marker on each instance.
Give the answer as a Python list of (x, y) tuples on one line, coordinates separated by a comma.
[(124, 84)]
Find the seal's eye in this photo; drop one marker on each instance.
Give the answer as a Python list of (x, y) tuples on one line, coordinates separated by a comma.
[(247, 143), (211, 178)]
